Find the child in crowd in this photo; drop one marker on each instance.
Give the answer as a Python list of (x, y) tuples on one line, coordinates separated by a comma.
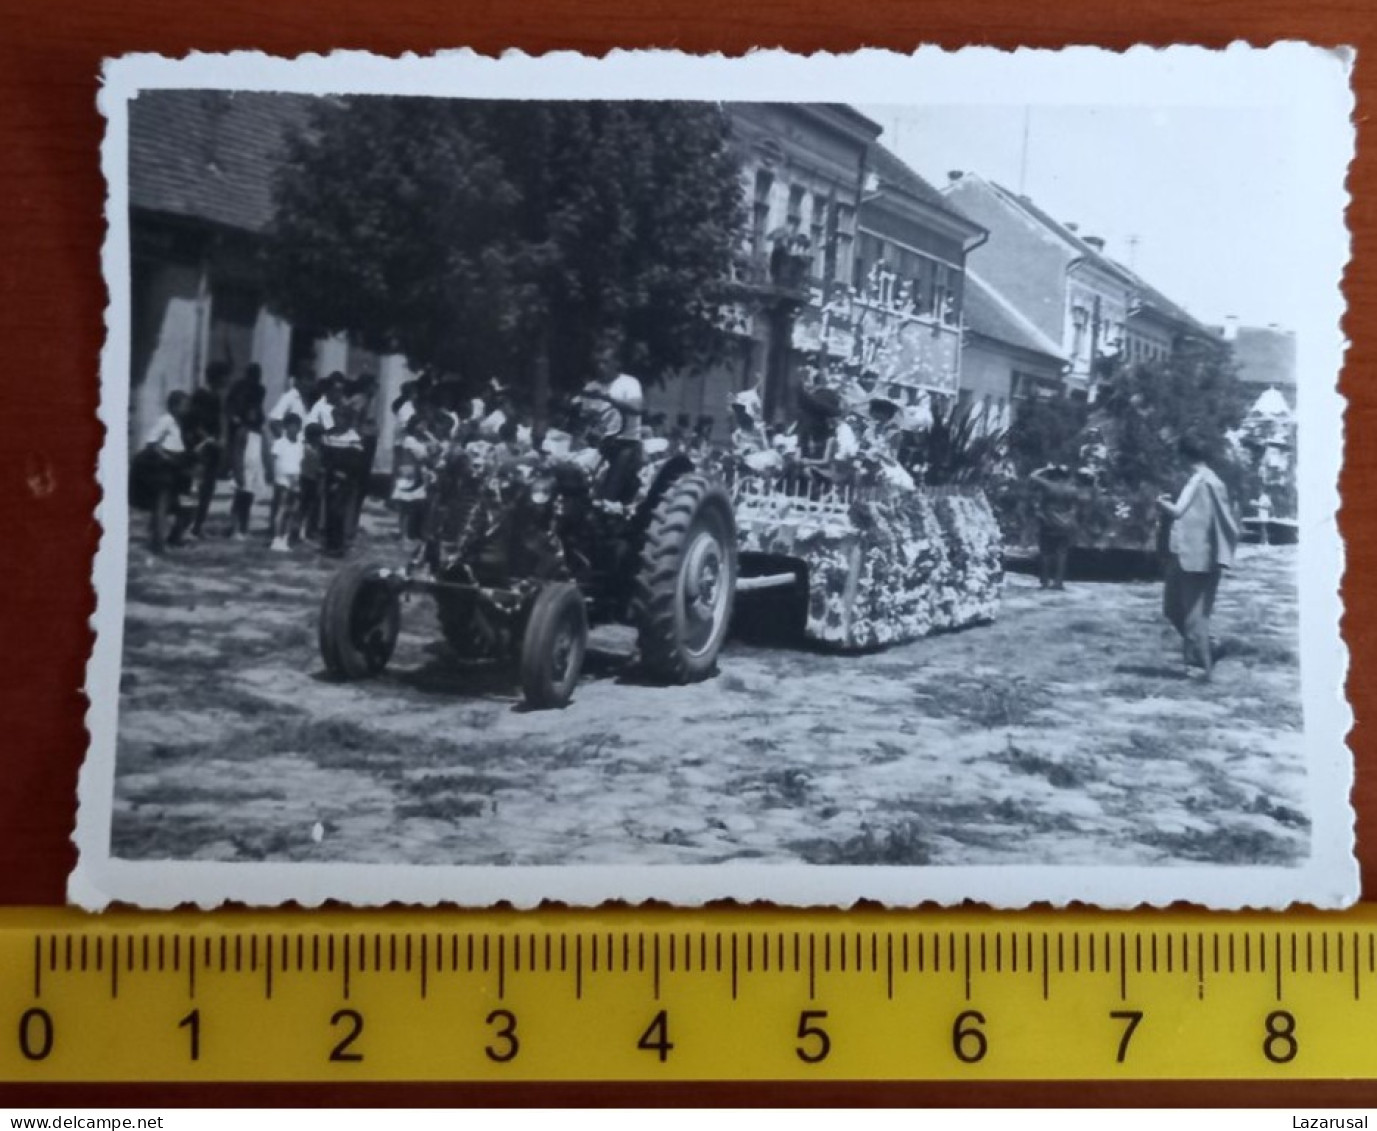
[(306, 522), (288, 456), (411, 457), (161, 473), (341, 455), (250, 474)]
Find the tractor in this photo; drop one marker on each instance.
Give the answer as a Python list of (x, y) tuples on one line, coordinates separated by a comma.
[(521, 552)]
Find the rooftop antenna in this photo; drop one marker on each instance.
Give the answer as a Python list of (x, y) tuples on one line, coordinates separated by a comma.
[(1133, 253), (1023, 159)]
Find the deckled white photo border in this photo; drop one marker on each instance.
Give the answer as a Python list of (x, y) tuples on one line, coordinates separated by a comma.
[(1311, 93)]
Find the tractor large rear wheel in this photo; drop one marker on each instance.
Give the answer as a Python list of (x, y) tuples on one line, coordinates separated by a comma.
[(687, 581)]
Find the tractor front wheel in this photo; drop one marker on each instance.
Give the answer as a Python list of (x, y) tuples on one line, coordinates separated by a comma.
[(359, 621), (554, 645)]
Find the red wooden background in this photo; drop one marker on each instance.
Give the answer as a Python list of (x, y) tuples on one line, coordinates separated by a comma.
[(52, 300)]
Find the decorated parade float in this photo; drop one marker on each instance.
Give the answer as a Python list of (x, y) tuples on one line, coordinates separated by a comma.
[(859, 524)]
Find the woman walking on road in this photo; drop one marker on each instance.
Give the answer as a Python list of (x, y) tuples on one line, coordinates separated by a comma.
[(1201, 546)]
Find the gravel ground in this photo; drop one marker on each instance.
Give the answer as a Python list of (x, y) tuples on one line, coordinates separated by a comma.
[(1064, 733)]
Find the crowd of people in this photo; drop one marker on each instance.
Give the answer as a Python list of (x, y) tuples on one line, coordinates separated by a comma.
[(848, 431), (310, 456)]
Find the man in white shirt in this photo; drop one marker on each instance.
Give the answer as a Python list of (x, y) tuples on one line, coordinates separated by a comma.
[(624, 399), (292, 401)]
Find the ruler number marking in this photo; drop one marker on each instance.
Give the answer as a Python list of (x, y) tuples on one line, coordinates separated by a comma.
[(656, 1036), (1134, 1017), (35, 1022), (810, 1032), (354, 1019), (968, 1040), (1280, 1045), (192, 1023), (506, 1033)]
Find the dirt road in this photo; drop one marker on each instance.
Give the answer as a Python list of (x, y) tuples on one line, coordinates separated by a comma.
[(1062, 734)]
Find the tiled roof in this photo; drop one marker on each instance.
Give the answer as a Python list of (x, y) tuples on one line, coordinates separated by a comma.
[(893, 171), (1266, 356), (1145, 291), (991, 316), (1151, 297), (210, 155), (1082, 248)]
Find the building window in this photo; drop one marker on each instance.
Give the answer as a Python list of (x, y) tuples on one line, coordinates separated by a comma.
[(760, 210), (951, 313), (818, 225), (794, 219), (845, 239), (1080, 322)]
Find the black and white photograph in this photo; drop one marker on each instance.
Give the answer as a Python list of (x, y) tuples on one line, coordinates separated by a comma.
[(908, 478)]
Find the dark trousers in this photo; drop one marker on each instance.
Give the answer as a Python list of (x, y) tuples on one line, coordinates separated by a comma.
[(240, 509), (340, 492), (167, 519), (308, 506), (207, 475), (621, 480), (1188, 602), (362, 478), (1054, 547)]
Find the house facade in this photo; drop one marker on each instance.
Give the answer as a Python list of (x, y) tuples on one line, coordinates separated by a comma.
[(802, 168), (909, 281), (1157, 327), (201, 168), (849, 262), (1007, 361), (1059, 281)]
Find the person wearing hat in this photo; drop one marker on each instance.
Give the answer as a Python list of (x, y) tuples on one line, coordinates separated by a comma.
[(1059, 505), (748, 430), (884, 425), (819, 408)]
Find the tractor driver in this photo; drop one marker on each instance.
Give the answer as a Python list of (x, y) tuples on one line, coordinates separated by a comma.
[(620, 404)]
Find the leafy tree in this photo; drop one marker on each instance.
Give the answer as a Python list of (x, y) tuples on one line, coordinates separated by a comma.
[(1046, 430), (1129, 437), (1143, 410), (542, 241)]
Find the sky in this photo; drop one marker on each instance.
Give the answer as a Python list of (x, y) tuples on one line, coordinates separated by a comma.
[(1207, 193)]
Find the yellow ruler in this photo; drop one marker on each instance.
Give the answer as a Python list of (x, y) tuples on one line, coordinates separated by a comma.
[(686, 995)]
